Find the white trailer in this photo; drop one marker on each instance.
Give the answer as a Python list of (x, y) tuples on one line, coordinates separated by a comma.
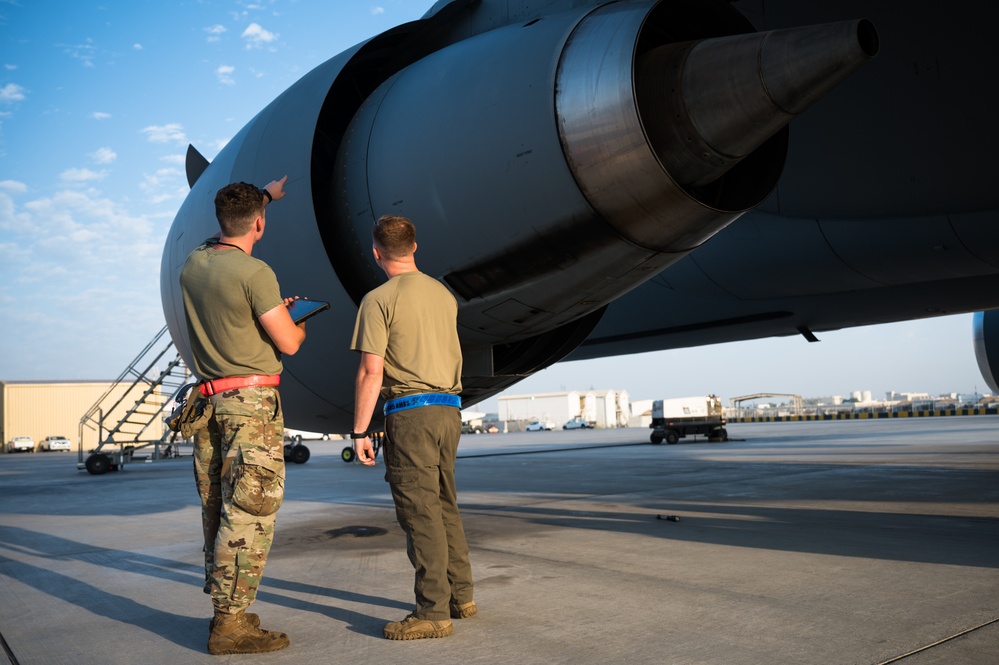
[(673, 419)]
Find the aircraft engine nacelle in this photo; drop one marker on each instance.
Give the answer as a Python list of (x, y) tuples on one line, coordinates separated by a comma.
[(986, 339), (551, 165)]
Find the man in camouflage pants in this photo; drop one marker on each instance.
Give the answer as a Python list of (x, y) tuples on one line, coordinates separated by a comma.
[(217, 462), (238, 326)]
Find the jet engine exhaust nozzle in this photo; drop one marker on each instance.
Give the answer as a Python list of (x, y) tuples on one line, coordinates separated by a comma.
[(711, 103)]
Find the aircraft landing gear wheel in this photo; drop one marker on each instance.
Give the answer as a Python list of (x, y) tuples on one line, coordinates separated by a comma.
[(672, 436), (656, 438), (299, 454), (98, 464), (348, 455)]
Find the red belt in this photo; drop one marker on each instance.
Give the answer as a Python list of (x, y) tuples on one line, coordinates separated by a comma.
[(233, 382)]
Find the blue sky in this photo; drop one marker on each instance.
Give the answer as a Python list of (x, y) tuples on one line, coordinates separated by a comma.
[(98, 102)]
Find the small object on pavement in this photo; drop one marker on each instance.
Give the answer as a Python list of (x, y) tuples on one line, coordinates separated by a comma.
[(668, 518)]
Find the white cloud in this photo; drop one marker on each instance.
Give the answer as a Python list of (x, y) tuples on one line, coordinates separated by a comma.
[(159, 178), (82, 175), (377, 10), (82, 52), (216, 30), (100, 115), (104, 155), (80, 252), (169, 133), (224, 74), (164, 185), (257, 37), (11, 93), (10, 68), (13, 186), (137, 47)]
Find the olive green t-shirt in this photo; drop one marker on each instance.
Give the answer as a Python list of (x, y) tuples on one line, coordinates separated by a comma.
[(225, 290), (411, 322)]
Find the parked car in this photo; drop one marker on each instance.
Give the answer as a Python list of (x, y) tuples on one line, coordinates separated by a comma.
[(21, 444), (51, 443), (540, 426), (470, 429), (576, 423)]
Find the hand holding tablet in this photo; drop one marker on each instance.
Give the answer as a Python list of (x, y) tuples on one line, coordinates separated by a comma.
[(303, 309)]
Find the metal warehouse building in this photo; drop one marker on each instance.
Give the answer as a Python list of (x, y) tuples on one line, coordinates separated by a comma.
[(605, 408), (55, 408)]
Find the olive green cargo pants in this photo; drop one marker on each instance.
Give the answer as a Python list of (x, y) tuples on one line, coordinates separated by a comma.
[(420, 449)]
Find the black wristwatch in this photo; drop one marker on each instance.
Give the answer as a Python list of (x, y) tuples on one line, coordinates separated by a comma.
[(358, 435), (267, 194)]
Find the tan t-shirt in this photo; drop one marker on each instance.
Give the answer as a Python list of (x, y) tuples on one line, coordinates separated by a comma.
[(411, 322), (224, 292)]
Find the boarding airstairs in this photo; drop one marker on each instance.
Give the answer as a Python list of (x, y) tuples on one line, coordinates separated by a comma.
[(130, 416)]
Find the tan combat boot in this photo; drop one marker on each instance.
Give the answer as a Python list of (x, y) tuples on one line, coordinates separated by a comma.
[(414, 628), (463, 610), (251, 619), (233, 633)]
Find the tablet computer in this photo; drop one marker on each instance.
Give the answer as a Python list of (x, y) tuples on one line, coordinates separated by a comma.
[(303, 309)]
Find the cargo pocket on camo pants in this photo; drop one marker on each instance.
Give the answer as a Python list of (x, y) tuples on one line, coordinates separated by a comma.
[(258, 490)]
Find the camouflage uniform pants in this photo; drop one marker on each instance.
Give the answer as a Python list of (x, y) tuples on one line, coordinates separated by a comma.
[(420, 448), (239, 470)]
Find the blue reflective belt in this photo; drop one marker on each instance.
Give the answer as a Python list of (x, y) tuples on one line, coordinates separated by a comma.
[(424, 399)]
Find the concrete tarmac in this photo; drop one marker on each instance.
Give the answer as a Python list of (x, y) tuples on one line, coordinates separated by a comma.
[(826, 542)]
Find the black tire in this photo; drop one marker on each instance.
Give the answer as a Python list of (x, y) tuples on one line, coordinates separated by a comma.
[(348, 455), (656, 437), (98, 464), (672, 436), (300, 454)]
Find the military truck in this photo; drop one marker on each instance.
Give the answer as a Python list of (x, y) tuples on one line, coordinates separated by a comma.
[(676, 418)]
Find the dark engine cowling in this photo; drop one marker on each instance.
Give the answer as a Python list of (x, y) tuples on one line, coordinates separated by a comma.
[(551, 165)]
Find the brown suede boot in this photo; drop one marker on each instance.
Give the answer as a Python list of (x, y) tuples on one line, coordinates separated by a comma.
[(463, 610), (251, 619), (414, 628), (233, 633)]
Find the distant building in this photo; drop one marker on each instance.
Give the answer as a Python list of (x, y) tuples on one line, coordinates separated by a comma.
[(603, 408), (641, 413), (54, 408)]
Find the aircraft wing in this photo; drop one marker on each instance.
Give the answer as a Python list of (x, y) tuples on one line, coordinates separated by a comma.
[(885, 210), (597, 178)]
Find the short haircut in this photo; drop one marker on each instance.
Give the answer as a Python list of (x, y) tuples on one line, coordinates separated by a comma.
[(236, 207), (394, 236)]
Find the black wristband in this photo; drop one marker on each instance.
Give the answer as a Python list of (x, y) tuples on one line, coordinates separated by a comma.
[(268, 195), (358, 435)]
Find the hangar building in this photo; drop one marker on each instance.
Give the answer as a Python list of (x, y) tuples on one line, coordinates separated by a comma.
[(604, 408), (55, 408)]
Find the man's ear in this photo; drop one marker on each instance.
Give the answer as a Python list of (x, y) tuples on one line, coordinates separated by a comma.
[(378, 255)]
